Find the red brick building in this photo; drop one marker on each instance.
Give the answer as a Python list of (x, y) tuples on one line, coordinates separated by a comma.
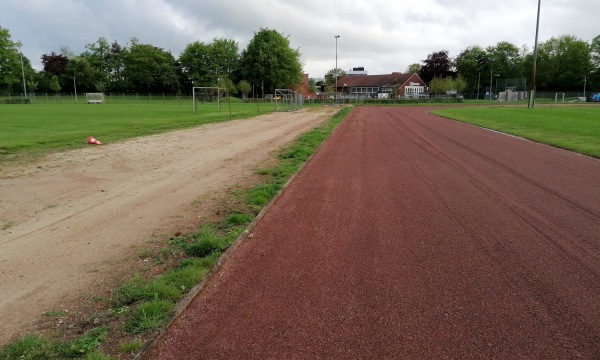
[(381, 86)]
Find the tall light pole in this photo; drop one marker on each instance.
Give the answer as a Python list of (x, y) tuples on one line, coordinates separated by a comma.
[(535, 52), (75, 87), (478, 81), (336, 67), (491, 82), (22, 70), (584, 84)]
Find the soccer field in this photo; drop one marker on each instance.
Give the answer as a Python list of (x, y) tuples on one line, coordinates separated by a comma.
[(41, 127), (575, 128)]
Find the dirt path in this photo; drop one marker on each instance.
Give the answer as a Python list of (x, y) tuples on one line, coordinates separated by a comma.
[(412, 237), (70, 222)]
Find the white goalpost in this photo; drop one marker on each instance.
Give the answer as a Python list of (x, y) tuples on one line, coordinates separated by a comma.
[(94, 98), (288, 100), (207, 94), (557, 96)]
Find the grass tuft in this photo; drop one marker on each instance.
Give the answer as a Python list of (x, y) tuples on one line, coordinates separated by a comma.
[(149, 316), (29, 347)]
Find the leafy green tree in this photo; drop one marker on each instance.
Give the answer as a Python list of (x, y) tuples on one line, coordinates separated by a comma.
[(270, 59), (413, 69), (227, 84), (331, 75), (80, 71), (205, 64), (593, 77), (563, 63), (195, 61), (54, 84), (245, 88), (101, 59), (10, 65), (506, 59), (472, 64), (149, 69), (460, 84)]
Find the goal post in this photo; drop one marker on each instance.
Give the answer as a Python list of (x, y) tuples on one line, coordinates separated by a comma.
[(288, 100), (94, 98), (207, 94)]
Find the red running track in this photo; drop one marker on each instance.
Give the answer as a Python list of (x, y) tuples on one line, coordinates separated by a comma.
[(410, 236)]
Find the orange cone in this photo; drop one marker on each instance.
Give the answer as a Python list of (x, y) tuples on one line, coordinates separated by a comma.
[(91, 140)]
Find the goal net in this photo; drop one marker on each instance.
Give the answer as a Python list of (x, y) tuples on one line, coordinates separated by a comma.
[(207, 96), (94, 98), (287, 100)]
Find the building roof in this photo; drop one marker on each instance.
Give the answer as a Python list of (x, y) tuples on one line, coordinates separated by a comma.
[(391, 80)]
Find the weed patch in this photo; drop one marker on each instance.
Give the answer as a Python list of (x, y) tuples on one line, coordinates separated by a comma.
[(149, 316)]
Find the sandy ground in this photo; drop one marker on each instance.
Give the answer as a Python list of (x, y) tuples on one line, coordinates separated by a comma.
[(70, 222)]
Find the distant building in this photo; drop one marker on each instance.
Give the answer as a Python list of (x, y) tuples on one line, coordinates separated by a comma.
[(381, 86), (357, 71)]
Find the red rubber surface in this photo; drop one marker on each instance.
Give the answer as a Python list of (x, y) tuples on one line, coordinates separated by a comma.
[(413, 237)]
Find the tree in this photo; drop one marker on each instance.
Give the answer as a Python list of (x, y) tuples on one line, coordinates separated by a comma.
[(245, 88), (10, 65), (55, 64), (54, 84), (471, 64), (270, 59), (194, 60), (506, 59), (437, 64), (593, 79), (413, 69), (150, 69), (228, 85), (100, 58), (205, 64), (80, 71), (460, 84), (563, 63), (333, 74)]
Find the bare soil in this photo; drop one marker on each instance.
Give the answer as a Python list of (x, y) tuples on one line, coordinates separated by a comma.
[(74, 225)]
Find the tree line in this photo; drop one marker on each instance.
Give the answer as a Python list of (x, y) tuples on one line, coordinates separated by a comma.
[(268, 62), (564, 63)]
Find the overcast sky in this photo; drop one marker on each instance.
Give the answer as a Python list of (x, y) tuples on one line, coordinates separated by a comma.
[(383, 36)]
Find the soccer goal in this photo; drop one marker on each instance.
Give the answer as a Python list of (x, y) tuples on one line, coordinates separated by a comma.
[(287, 100), (207, 95), (94, 98), (559, 97)]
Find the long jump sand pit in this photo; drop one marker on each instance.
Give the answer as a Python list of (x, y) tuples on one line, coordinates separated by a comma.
[(72, 222)]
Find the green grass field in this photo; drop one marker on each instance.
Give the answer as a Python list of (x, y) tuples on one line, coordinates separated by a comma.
[(575, 128), (38, 128)]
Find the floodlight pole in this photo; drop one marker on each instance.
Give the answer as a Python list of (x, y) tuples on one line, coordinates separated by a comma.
[(584, 84), (491, 82), (75, 87), (478, 81), (23, 71), (535, 52), (336, 67)]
